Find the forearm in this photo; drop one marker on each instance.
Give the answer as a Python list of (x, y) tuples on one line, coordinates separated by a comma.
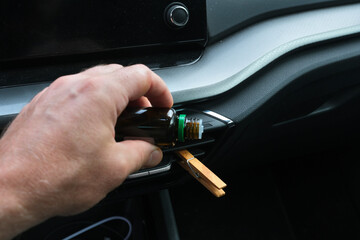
[(14, 218), (14, 215)]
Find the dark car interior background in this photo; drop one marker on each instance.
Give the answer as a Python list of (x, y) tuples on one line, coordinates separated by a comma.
[(277, 84)]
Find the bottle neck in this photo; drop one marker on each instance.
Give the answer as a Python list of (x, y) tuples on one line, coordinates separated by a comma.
[(189, 128)]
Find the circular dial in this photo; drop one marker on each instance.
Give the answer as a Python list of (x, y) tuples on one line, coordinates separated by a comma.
[(177, 15)]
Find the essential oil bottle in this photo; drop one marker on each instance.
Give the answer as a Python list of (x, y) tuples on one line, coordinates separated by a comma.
[(160, 126)]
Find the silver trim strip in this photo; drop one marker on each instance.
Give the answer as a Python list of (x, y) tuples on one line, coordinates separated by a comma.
[(138, 175), (150, 172), (219, 117), (160, 170)]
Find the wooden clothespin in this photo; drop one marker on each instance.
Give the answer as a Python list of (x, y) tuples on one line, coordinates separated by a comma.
[(201, 173)]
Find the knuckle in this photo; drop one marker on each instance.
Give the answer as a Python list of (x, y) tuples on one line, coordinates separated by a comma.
[(115, 66), (141, 66), (144, 73), (102, 69), (89, 85), (143, 70), (61, 81), (123, 165)]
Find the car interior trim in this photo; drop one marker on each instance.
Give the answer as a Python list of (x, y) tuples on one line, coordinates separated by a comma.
[(219, 117), (234, 59), (150, 172)]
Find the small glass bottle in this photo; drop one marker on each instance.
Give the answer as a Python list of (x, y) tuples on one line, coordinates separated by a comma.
[(160, 126)]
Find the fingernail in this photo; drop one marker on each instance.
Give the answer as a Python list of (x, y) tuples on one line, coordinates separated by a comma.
[(155, 157)]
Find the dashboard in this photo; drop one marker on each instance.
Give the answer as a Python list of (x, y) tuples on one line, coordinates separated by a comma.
[(254, 72)]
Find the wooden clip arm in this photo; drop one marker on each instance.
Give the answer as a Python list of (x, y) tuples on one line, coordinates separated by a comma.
[(201, 173)]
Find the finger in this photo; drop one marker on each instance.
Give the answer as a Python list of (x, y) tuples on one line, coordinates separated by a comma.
[(142, 102), (102, 69), (128, 156), (156, 90), (136, 81)]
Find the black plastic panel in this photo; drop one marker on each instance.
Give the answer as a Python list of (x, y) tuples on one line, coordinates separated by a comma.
[(38, 28), (255, 104), (47, 70), (151, 217)]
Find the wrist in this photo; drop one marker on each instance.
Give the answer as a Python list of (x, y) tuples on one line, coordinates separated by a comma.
[(15, 214), (14, 218)]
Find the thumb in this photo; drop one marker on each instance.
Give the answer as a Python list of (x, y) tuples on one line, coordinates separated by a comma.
[(129, 156)]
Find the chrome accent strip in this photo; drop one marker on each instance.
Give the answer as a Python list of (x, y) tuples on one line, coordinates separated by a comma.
[(160, 170), (138, 175), (219, 117)]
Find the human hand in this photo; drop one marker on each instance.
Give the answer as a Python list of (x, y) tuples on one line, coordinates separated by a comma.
[(59, 156)]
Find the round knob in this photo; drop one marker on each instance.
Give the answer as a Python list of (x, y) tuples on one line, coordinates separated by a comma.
[(177, 15)]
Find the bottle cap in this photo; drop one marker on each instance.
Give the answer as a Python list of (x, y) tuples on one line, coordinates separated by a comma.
[(181, 127)]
